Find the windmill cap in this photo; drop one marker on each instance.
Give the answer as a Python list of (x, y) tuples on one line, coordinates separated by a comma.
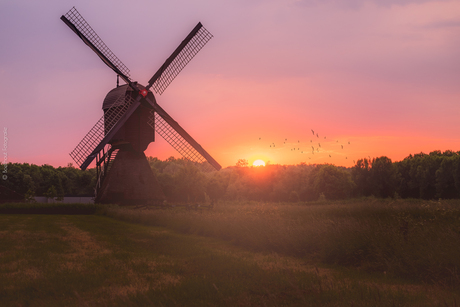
[(113, 96), (116, 96)]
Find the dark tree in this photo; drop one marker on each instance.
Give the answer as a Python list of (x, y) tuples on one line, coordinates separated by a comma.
[(383, 177), (361, 175), (333, 182)]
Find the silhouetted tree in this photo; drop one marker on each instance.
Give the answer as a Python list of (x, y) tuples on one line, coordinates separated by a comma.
[(408, 185), (242, 163), (190, 183), (333, 182), (428, 176), (383, 177), (361, 176), (445, 180)]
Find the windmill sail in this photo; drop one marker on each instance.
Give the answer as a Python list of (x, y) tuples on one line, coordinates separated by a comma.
[(189, 47), (109, 124), (104, 129), (78, 24), (178, 138)]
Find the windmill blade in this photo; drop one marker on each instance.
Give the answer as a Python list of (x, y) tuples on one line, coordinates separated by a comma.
[(189, 47), (78, 24), (103, 131), (178, 138)]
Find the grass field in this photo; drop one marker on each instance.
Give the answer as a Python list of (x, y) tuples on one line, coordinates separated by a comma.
[(360, 253)]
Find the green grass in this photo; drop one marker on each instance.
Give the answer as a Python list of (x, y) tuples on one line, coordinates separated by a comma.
[(238, 254), (44, 208), (410, 239)]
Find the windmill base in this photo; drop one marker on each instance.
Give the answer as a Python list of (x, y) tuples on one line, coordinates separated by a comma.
[(130, 181)]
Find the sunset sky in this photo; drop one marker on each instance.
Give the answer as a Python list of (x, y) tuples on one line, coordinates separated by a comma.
[(378, 77)]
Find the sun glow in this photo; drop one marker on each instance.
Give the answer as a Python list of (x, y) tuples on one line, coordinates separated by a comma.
[(258, 163)]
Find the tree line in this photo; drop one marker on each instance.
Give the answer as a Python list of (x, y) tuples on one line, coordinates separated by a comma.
[(426, 176), (33, 180)]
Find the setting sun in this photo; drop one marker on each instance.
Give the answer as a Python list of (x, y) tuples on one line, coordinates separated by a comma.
[(258, 163)]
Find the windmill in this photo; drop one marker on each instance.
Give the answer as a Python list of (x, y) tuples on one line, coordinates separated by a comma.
[(131, 116)]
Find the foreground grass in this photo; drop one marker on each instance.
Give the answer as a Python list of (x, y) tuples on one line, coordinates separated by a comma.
[(410, 239), (89, 260)]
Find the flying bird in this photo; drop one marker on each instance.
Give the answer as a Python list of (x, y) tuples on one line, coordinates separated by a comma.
[(312, 131), (342, 146)]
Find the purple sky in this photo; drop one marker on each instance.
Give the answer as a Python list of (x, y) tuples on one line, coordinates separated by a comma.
[(382, 75)]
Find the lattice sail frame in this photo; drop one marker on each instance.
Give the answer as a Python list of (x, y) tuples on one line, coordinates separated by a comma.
[(80, 23), (102, 127), (170, 72), (186, 51), (174, 138)]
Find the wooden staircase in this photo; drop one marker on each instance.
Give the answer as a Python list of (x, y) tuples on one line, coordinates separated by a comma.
[(104, 162)]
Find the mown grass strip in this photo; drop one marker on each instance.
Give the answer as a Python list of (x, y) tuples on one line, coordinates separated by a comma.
[(52, 208)]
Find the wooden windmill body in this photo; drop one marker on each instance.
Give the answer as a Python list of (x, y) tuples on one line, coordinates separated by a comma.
[(131, 117)]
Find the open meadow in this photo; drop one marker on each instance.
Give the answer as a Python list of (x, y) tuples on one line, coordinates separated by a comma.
[(349, 253)]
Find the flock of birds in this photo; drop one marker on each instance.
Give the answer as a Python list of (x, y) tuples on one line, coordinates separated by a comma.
[(313, 146)]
